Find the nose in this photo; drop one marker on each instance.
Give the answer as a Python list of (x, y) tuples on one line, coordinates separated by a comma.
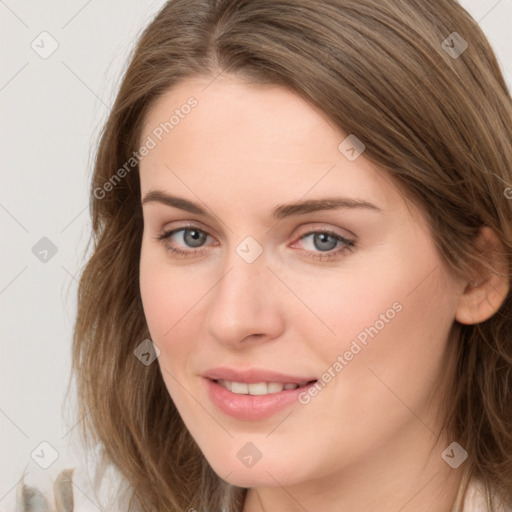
[(245, 304)]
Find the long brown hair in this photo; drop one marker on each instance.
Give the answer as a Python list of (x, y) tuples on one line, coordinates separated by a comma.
[(438, 122)]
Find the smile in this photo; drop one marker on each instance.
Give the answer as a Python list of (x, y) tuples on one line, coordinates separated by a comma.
[(259, 388), (254, 401)]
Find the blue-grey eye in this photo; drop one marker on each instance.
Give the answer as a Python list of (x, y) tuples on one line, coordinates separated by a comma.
[(193, 237), (323, 241)]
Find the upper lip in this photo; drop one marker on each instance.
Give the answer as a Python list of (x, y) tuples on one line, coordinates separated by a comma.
[(253, 376)]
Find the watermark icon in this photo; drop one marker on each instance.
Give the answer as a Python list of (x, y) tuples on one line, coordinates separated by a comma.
[(44, 45), (351, 147), (454, 45), (44, 455), (343, 359), (150, 143), (454, 455), (44, 250), (249, 454), (508, 192), (249, 249), (146, 352)]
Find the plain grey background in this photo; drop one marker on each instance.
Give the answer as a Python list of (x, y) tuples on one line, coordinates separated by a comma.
[(52, 109)]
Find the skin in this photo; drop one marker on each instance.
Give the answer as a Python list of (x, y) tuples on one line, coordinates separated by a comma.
[(368, 440)]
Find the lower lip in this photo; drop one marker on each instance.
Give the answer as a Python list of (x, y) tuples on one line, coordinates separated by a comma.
[(252, 407)]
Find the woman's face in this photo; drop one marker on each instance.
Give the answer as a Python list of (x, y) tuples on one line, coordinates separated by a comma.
[(353, 296)]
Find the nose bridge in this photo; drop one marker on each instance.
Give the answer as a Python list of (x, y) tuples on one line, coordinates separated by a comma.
[(242, 303)]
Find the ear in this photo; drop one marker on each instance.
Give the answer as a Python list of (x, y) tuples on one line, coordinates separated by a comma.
[(487, 289)]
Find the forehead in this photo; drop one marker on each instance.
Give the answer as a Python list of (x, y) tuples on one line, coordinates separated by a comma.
[(259, 142), (245, 115)]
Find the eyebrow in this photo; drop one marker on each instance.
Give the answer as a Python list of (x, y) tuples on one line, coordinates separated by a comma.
[(279, 212)]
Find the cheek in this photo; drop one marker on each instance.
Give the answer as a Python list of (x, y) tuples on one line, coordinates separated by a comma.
[(403, 340), (336, 307), (166, 294), (390, 365), (394, 322), (156, 297), (167, 299)]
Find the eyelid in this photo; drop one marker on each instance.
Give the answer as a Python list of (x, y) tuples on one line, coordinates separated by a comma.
[(186, 224), (319, 226), (315, 226)]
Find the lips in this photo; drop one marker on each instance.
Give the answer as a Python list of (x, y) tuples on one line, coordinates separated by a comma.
[(255, 375), (255, 394)]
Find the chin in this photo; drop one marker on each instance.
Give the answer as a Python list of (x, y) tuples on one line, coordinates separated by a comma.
[(242, 479), (249, 477), (263, 473)]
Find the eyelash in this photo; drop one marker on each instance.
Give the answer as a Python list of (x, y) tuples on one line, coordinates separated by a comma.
[(348, 245)]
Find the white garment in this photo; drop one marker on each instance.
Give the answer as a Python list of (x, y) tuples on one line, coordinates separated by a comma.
[(475, 499), (52, 489)]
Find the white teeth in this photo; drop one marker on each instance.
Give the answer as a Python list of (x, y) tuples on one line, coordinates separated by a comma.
[(240, 388), (274, 387), (260, 388)]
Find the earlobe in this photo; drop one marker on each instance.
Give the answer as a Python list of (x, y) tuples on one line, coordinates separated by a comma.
[(487, 290)]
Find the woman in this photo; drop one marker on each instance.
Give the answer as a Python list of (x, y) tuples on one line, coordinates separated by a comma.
[(299, 296)]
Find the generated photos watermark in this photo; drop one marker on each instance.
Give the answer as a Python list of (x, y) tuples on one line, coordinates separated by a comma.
[(355, 348), (150, 143)]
